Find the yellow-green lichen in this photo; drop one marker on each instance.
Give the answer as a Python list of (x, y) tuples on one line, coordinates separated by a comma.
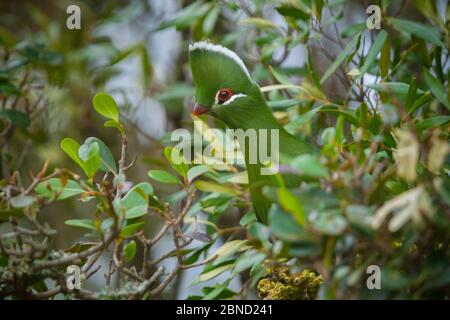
[(280, 284)]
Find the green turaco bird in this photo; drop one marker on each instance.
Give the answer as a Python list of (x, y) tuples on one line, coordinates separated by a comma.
[(225, 90)]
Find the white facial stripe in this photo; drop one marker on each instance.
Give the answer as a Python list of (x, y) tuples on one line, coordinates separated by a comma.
[(204, 45), (232, 98)]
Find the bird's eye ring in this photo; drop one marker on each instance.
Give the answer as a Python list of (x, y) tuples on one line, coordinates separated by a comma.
[(224, 95)]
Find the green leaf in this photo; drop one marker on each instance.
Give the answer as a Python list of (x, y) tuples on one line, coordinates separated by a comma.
[(113, 124), (123, 54), (146, 65), (330, 222), (8, 89), (292, 11), (329, 136), (259, 23), (131, 229), (220, 291), (260, 232), (360, 217), (412, 92), (432, 122), (163, 177), (228, 249), (208, 186), (317, 7), (71, 148), (290, 203), (21, 201), (54, 186), (353, 29), (429, 10), (130, 250), (177, 161), (247, 261), (398, 88), (305, 249), (420, 30), (186, 17), (373, 52), (210, 20), (362, 114), (437, 88), (314, 75), (258, 271), (196, 253), (237, 178), (211, 274), (310, 166), (284, 226), (301, 119), (280, 77), (134, 204), (87, 151), (108, 163), (248, 218), (426, 97), (81, 223), (282, 104), (89, 154), (17, 118), (105, 105), (344, 54), (216, 204), (197, 171), (339, 136), (385, 58)]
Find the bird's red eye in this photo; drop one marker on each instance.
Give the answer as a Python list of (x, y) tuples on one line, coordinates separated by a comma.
[(223, 95)]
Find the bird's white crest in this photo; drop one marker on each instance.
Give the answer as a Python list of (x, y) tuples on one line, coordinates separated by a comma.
[(204, 45), (232, 98)]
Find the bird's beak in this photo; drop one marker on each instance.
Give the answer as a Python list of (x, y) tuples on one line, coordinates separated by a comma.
[(199, 109)]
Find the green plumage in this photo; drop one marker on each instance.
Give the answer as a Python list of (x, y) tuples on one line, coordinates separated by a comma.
[(215, 68)]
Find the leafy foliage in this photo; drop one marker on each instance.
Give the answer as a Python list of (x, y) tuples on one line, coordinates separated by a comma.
[(375, 102)]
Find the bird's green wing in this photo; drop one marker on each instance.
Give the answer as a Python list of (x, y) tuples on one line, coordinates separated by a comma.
[(256, 182)]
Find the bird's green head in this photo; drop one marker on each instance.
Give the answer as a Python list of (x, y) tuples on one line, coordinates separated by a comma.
[(222, 82)]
